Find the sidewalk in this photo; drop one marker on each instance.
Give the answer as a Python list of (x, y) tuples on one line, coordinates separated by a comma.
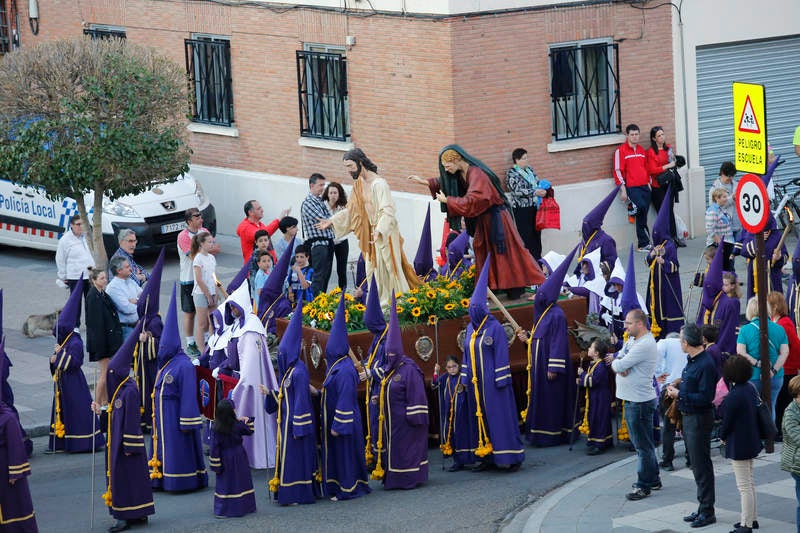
[(596, 502)]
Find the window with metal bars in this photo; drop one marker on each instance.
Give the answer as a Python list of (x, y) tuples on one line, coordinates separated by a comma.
[(322, 94), (9, 33), (104, 32), (584, 89), (208, 65)]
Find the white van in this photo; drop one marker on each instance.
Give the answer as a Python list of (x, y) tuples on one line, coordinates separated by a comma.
[(28, 218)]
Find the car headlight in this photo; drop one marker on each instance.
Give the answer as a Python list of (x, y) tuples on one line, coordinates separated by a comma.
[(119, 209), (200, 193)]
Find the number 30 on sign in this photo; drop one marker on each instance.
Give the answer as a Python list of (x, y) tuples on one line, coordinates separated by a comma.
[(752, 203)]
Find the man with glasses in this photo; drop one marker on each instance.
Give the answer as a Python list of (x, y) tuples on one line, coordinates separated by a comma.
[(635, 365), (127, 245), (194, 225), (124, 292), (73, 257)]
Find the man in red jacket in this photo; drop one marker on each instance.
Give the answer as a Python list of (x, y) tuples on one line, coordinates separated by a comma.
[(247, 228), (631, 172)]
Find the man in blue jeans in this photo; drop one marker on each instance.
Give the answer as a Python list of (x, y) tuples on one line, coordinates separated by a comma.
[(634, 366), (695, 397)]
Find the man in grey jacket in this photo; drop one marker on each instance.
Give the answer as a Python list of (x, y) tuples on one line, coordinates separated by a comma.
[(634, 366)]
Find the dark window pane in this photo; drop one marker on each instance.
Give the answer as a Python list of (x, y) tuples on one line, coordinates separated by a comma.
[(208, 65), (322, 95)]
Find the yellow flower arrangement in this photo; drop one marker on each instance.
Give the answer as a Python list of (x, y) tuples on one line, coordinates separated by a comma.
[(319, 313), (416, 311), (430, 294)]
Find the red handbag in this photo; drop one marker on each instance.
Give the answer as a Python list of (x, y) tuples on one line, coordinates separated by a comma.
[(549, 214)]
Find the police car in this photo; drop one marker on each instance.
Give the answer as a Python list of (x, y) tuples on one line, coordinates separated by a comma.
[(29, 219)]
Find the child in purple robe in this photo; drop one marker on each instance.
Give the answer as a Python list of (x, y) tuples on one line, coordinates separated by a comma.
[(272, 301), (593, 236), (145, 362), (664, 301), (456, 423), (375, 324), (720, 304), (597, 415), (234, 494), (16, 508)]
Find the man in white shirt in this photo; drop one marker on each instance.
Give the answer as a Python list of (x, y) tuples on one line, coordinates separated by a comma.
[(124, 292), (73, 258), (635, 365), (671, 360), (194, 225)]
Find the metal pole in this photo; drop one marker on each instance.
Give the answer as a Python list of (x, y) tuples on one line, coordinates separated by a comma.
[(94, 421), (762, 273)]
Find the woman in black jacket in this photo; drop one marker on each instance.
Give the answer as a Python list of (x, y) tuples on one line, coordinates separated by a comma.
[(739, 431), (103, 330)]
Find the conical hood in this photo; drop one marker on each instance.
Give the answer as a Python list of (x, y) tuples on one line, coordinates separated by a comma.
[(337, 344), (712, 282), (423, 261), (148, 300), (594, 219), (273, 287), (629, 300), (458, 248), (394, 337), (292, 340), (549, 290), (617, 276), (660, 230), (68, 317), (373, 315), (240, 277), (120, 365), (478, 308), (770, 170), (170, 344), (239, 299)]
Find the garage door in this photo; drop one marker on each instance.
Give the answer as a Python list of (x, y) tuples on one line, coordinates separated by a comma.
[(775, 63)]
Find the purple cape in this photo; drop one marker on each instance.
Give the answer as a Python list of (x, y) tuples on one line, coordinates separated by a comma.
[(456, 420), (607, 245), (15, 500), (664, 287), (725, 314), (596, 380), (774, 280), (233, 494), (494, 384)]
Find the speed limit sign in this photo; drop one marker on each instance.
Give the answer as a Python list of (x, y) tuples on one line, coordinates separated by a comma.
[(752, 203)]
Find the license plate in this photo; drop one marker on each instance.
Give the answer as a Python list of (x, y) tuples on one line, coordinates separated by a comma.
[(175, 226)]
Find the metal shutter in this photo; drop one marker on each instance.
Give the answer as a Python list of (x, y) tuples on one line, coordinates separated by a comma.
[(775, 63)]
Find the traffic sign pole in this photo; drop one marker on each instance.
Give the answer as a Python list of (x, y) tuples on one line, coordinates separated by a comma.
[(761, 267)]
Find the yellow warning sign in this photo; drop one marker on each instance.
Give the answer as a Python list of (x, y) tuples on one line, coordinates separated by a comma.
[(750, 127)]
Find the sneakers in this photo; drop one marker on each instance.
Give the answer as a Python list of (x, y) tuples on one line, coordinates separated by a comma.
[(191, 350), (667, 465), (656, 486), (638, 494), (645, 249)]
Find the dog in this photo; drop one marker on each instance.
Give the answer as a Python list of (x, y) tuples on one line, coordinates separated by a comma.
[(37, 322)]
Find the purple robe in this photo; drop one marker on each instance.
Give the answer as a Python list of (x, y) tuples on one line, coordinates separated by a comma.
[(774, 280), (725, 314), (7, 394), (131, 490), (598, 239), (494, 386), (145, 366), (81, 426), (455, 418), (233, 493), (344, 472), (177, 424), (377, 359), (664, 302), (16, 507), (596, 380), (278, 307), (551, 407), (297, 464), (405, 426)]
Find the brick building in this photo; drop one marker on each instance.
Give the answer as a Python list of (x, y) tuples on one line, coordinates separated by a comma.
[(400, 81)]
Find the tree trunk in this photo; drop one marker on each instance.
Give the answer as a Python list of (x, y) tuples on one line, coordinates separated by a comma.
[(99, 251)]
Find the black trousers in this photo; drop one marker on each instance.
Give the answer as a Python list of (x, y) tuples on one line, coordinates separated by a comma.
[(697, 436), (341, 251), (525, 219), (322, 263)]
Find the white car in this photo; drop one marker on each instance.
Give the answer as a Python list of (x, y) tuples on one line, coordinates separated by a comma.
[(28, 218)]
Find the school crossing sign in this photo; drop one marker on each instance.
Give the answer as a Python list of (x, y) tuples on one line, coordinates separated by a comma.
[(750, 127)]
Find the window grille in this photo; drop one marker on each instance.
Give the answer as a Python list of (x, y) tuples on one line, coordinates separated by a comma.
[(322, 95), (208, 65)]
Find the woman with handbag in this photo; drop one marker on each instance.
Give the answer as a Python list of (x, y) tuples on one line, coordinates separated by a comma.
[(103, 330), (525, 191), (740, 433), (660, 158)]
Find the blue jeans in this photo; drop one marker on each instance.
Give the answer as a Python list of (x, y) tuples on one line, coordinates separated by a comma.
[(797, 495), (775, 385), (639, 418), (126, 330), (641, 197)]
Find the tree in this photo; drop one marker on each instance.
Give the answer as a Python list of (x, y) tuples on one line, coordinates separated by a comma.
[(92, 117)]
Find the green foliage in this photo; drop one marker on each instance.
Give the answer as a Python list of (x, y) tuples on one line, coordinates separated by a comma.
[(86, 116)]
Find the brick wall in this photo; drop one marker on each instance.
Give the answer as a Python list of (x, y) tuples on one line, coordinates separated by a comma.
[(414, 84)]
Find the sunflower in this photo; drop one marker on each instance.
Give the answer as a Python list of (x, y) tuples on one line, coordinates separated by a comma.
[(348, 297), (360, 307), (399, 310), (415, 312), (444, 293), (414, 291), (336, 291), (464, 302), (449, 307), (312, 313), (432, 320), (430, 294), (411, 301)]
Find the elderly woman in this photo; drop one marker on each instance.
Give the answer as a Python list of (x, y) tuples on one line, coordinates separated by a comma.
[(739, 431), (790, 456), (127, 246), (747, 345), (525, 192)]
